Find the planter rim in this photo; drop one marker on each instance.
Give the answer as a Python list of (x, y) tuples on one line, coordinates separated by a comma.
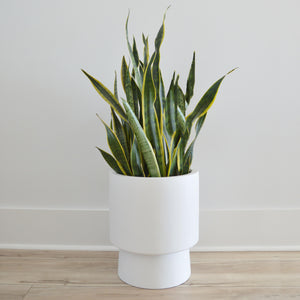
[(193, 172)]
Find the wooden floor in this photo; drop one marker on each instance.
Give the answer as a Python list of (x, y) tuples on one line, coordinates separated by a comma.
[(43, 275)]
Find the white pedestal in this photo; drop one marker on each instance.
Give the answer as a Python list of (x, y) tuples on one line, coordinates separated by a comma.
[(154, 271)]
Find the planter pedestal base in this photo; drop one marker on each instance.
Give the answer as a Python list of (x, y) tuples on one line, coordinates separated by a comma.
[(154, 271)]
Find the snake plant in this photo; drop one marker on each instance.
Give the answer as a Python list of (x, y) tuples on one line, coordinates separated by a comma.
[(150, 130)]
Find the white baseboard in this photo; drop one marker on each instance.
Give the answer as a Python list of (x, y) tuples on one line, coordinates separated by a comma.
[(220, 230)]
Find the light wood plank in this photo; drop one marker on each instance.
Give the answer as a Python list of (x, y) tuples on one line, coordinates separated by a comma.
[(196, 256), (245, 255), (13, 292), (267, 269), (29, 270), (178, 293), (246, 269)]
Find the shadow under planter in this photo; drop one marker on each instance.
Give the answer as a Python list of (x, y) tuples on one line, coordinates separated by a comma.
[(154, 221)]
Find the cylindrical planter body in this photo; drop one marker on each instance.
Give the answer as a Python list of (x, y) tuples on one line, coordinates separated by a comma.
[(154, 221)]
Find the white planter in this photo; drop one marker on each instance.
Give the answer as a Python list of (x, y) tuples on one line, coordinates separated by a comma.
[(154, 221)]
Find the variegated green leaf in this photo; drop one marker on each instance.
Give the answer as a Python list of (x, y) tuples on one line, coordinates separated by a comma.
[(179, 161), (146, 50), (117, 150), (142, 70), (170, 109), (111, 161), (187, 163), (167, 152), (106, 94), (206, 101), (156, 75), (116, 87), (126, 82), (152, 126), (190, 82), (179, 95), (158, 41), (174, 142), (162, 98), (148, 96), (128, 133), (135, 52), (135, 65), (137, 98), (180, 121), (135, 160), (159, 147), (143, 143), (151, 122), (156, 81), (188, 156), (160, 36), (172, 171), (120, 133), (162, 95)]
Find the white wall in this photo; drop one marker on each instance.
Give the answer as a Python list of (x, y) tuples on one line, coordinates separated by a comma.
[(248, 151)]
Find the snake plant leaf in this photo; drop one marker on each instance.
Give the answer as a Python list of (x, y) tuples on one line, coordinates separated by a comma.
[(106, 94), (160, 36), (180, 121), (156, 81), (146, 50), (143, 143), (142, 70), (152, 127), (142, 65), (179, 157), (111, 161), (120, 133), (170, 109), (135, 52), (148, 96), (189, 153), (162, 99), (117, 150), (152, 124), (167, 152), (172, 171), (137, 98), (126, 82), (135, 65), (206, 101), (156, 74), (180, 133), (187, 163), (174, 142), (162, 95), (159, 147), (128, 133), (116, 87), (158, 41), (190, 82), (179, 96), (135, 160)]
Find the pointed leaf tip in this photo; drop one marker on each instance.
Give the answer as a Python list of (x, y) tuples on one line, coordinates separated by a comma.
[(166, 12), (232, 70)]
